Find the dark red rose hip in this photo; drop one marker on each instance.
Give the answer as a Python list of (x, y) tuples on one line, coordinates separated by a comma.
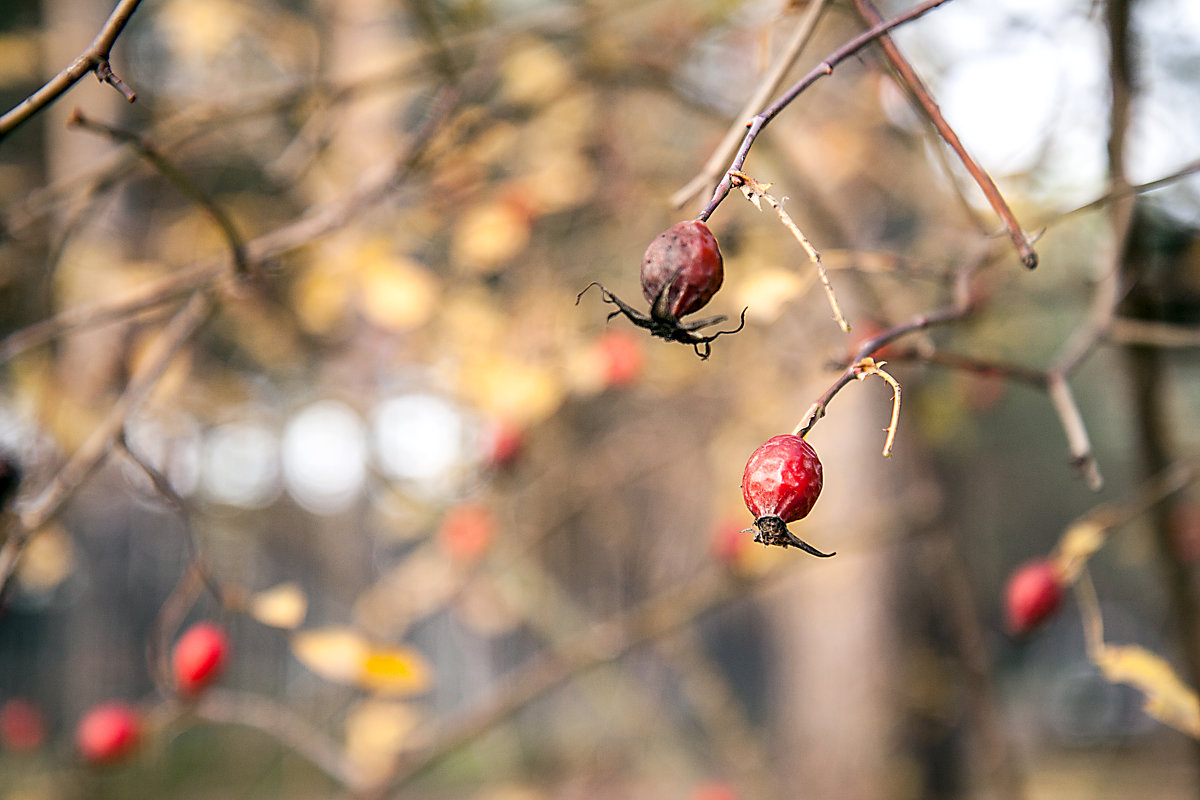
[(682, 269), (782, 482)]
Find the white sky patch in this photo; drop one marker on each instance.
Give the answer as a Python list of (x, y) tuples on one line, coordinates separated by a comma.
[(419, 437), (240, 465), (324, 457)]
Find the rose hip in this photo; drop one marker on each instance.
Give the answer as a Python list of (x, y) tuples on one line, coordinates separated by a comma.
[(782, 481), (682, 269), (1034, 592)]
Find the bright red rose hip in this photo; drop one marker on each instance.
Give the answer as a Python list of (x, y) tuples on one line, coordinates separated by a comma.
[(199, 657), (782, 482), (108, 733), (1034, 592)]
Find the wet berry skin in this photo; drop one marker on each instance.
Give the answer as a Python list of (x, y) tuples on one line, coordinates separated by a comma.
[(781, 484), (1034, 592), (682, 269)]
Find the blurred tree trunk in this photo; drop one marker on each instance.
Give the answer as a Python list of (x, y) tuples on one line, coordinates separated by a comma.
[(838, 649)]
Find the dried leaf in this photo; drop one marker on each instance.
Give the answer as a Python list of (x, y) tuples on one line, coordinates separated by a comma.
[(766, 292), (396, 671), (1078, 543), (1168, 699), (376, 732), (282, 606), (336, 654), (345, 656)]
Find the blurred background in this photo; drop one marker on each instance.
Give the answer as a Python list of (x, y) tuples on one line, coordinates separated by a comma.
[(471, 540)]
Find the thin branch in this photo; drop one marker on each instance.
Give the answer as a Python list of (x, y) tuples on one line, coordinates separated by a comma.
[(275, 719), (756, 192), (1063, 400), (851, 373), (299, 233), (146, 149), (93, 451), (599, 644), (868, 367), (1147, 333), (760, 121), (93, 59), (920, 93), (770, 84)]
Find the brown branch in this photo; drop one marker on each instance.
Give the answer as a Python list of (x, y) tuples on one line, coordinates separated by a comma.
[(96, 448), (93, 59), (851, 373), (761, 120), (1147, 333), (146, 149), (316, 223), (770, 83), (919, 92), (599, 644), (281, 722)]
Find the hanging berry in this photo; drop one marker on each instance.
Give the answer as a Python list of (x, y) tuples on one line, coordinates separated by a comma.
[(782, 481), (681, 271), (1034, 592)]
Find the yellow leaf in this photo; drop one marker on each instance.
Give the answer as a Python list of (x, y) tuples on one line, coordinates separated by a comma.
[(489, 234), (283, 606), (321, 297), (397, 294), (1168, 699), (767, 291), (376, 732), (1078, 543), (520, 391), (345, 656), (336, 654), (48, 559), (534, 74), (395, 671)]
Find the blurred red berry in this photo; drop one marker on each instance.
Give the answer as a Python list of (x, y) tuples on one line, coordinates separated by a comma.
[(682, 269), (199, 657), (466, 532), (1033, 594), (22, 726), (782, 481), (729, 543), (717, 790), (621, 358), (108, 733), (504, 443)]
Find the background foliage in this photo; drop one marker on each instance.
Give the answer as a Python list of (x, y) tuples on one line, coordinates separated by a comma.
[(292, 342)]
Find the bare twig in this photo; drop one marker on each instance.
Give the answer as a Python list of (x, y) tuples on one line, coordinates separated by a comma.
[(920, 93), (264, 714), (868, 367), (93, 451), (599, 644), (93, 59), (146, 149), (1063, 400), (756, 192), (770, 83), (760, 121), (919, 322), (298, 233)]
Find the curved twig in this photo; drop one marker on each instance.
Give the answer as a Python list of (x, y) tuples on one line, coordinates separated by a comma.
[(93, 59)]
